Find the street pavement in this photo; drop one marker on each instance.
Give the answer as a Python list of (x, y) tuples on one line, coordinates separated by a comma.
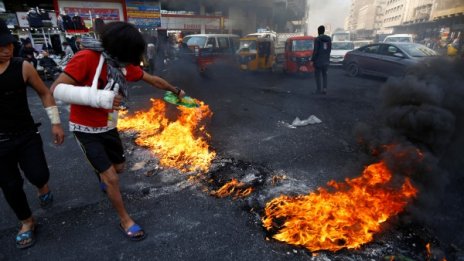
[(250, 120)]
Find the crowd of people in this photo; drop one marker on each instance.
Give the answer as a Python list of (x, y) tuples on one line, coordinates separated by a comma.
[(452, 46), (110, 63)]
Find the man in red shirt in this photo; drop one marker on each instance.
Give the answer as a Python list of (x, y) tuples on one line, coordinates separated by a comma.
[(94, 124)]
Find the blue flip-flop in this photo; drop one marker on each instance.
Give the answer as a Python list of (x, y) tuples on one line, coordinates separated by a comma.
[(46, 199), (30, 234), (131, 232)]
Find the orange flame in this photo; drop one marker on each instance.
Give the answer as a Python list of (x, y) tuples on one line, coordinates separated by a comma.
[(345, 218), (429, 252), (233, 188), (174, 142)]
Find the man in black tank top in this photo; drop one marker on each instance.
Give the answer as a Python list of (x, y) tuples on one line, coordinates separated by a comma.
[(20, 141)]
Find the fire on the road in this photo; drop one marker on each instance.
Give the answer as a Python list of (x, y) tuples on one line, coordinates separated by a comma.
[(345, 216), (179, 144), (233, 188)]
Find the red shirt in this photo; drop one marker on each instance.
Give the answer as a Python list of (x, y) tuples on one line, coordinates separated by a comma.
[(82, 69)]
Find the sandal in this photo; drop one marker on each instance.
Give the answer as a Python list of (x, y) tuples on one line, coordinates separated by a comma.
[(131, 233), (46, 199), (28, 236)]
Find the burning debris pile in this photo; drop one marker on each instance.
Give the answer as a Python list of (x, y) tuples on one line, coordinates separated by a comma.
[(345, 217), (181, 143), (365, 205), (234, 179)]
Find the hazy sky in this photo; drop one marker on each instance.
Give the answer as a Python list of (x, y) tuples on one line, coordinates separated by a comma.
[(330, 13)]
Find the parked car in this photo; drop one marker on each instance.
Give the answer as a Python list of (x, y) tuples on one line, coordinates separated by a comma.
[(339, 50), (385, 59)]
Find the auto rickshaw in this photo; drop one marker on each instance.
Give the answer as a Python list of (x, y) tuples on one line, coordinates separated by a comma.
[(256, 54), (298, 52)]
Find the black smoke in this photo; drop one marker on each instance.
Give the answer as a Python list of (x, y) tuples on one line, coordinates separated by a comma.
[(422, 137)]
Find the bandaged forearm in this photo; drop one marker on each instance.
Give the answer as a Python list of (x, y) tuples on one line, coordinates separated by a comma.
[(53, 114), (84, 96)]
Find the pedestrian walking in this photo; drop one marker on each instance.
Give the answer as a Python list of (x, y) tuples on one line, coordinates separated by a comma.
[(321, 59), (110, 63), (21, 145)]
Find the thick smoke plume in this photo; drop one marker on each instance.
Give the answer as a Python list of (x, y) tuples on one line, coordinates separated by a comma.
[(423, 138), (331, 13)]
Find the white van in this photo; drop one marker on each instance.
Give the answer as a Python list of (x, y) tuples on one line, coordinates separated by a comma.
[(399, 38), (216, 41), (206, 49)]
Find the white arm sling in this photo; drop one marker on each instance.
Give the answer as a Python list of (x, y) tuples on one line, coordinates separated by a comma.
[(84, 95)]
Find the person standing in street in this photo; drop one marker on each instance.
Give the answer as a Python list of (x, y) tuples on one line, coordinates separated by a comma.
[(21, 145), (321, 59), (110, 64)]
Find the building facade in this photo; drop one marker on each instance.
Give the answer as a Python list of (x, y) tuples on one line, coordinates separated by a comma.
[(426, 19), (366, 18), (395, 11)]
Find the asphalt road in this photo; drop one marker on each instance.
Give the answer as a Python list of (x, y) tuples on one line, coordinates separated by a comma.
[(249, 124)]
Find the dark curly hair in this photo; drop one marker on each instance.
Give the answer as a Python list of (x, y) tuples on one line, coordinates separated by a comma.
[(123, 42)]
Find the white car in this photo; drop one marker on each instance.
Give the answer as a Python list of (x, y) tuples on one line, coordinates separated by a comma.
[(399, 38), (339, 50)]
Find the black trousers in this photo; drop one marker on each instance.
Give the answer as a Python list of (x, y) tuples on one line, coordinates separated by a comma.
[(23, 152), (318, 72)]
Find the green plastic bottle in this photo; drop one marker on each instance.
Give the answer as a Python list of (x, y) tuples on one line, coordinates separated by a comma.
[(186, 101)]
